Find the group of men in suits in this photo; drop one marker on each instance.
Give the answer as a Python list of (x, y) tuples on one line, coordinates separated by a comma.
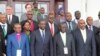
[(68, 38)]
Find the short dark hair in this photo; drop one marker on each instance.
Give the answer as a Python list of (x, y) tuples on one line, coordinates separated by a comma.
[(41, 20), (16, 24)]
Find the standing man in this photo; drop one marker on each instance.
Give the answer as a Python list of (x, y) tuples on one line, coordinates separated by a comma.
[(84, 40), (64, 43), (70, 24), (17, 43), (51, 25), (97, 22), (41, 44), (11, 18), (33, 24), (42, 15), (2, 40), (77, 16), (28, 7), (90, 26), (5, 29)]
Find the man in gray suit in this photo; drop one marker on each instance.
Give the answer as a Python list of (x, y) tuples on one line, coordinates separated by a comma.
[(84, 40), (41, 44), (70, 24), (42, 15), (64, 43), (97, 22), (77, 16)]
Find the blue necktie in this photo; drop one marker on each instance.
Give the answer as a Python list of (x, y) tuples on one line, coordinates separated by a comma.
[(43, 35)]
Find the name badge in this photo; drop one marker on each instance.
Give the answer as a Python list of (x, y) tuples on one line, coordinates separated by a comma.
[(19, 52), (65, 50)]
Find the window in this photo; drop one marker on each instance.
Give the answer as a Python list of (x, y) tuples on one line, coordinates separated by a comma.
[(19, 9), (3, 6), (44, 5)]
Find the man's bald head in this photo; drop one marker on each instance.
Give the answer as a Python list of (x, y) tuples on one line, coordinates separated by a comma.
[(89, 20), (81, 24), (3, 18)]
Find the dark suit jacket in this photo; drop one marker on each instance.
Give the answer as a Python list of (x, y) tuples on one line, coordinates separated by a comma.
[(95, 29), (98, 43), (84, 49), (59, 46), (74, 26), (15, 19), (2, 45), (56, 30), (40, 47), (9, 30), (35, 24)]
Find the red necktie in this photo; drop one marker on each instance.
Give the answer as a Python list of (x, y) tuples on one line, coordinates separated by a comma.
[(32, 26), (51, 29)]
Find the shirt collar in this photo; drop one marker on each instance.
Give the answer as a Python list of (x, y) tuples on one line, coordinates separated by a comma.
[(3, 24), (62, 33)]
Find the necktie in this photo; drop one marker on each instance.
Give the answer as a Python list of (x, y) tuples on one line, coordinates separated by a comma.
[(90, 27), (32, 26), (9, 20), (4, 31), (69, 26), (51, 29), (43, 35)]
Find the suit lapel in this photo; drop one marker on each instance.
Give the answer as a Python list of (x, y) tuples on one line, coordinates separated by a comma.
[(60, 39), (87, 35), (67, 39), (39, 36), (80, 36)]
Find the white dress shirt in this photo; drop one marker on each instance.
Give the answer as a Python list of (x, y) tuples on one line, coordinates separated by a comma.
[(5, 26), (52, 26), (84, 35), (63, 37), (41, 32), (76, 21), (90, 28)]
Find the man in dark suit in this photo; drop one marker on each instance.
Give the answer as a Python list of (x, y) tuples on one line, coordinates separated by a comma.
[(5, 28), (90, 26), (70, 24), (77, 16), (11, 19), (33, 24), (64, 43), (51, 25), (41, 44), (2, 40), (84, 40), (42, 15)]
